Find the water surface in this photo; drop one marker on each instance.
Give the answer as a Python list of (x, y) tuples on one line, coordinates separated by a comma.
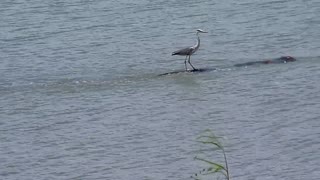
[(81, 97)]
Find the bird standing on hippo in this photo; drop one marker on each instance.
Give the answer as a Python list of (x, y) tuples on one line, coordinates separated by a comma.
[(189, 50)]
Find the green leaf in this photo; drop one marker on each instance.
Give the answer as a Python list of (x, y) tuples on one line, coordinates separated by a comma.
[(216, 165), (211, 142)]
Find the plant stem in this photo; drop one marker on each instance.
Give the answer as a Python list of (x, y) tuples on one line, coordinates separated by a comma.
[(225, 160)]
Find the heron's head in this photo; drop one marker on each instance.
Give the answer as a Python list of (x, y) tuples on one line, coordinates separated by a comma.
[(201, 31)]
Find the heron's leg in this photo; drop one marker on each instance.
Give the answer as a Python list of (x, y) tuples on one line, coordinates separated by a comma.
[(185, 63), (191, 64)]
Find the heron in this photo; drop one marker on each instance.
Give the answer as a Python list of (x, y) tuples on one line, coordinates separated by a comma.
[(189, 50)]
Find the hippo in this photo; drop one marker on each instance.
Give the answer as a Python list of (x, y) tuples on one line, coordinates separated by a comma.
[(282, 59)]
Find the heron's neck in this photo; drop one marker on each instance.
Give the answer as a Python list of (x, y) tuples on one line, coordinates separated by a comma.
[(198, 42)]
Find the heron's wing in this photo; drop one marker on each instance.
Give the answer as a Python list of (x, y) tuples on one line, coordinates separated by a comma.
[(184, 51)]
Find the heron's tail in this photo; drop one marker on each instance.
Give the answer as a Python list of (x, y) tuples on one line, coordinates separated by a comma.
[(174, 53)]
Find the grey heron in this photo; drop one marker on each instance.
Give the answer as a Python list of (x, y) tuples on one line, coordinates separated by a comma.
[(189, 50)]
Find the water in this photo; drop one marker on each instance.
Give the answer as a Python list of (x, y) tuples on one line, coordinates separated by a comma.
[(81, 99)]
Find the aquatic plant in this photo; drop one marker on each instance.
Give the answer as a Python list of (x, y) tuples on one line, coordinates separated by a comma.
[(208, 138)]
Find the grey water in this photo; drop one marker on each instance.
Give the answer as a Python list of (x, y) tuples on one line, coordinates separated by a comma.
[(80, 95)]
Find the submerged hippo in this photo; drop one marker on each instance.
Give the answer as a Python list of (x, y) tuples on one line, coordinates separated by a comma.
[(283, 59)]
